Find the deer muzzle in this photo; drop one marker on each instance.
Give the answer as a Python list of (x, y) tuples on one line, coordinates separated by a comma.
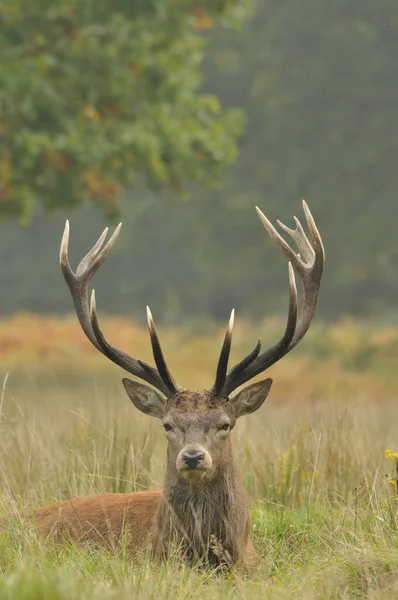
[(193, 462)]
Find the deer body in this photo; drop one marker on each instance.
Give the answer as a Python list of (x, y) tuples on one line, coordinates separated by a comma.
[(206, 519), (203, 507), (104, 519), (213, 527)]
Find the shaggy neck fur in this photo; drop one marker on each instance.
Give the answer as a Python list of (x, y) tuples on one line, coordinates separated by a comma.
[(208, 522)]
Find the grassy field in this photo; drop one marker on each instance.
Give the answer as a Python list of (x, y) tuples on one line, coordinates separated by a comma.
[(324, 503)]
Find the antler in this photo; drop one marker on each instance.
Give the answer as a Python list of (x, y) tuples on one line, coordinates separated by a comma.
[(78, 286), (309, 267)]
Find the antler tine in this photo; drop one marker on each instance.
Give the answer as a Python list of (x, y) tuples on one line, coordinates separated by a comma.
[(278, 239), (78, 282), (245, 362), (160, 362), (94, 259), (91, 254), (311, 278), (247, 369), (63, 251), (301, 240), (135, 367), (315, 235), (224, 356), (309, 267), (78, 285)]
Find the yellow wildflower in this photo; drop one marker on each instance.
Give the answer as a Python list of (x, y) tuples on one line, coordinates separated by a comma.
[(91, 113), (394, 455), (387, 453), (393, 482)]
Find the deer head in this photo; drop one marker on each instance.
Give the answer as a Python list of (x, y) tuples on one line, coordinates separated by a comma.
[(198, 424)]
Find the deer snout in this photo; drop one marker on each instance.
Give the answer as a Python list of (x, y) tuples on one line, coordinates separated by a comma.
[(193, 458), (193, 462)]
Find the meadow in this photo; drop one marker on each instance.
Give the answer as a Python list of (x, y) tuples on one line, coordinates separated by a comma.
[(323, 493)]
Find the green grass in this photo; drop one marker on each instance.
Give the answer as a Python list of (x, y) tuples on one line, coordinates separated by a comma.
[(324, 515)]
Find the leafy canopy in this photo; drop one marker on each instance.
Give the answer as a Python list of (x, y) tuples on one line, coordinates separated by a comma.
[(95, 93)]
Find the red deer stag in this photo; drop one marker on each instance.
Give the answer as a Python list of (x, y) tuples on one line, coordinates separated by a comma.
[(203, 507)]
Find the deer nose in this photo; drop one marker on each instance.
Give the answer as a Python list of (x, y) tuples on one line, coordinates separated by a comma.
[(193, 458)]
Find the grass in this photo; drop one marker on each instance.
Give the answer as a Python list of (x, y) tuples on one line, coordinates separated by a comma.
[(324, 514)]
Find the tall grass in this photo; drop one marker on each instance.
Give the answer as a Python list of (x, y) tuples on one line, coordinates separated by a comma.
[(324, 513)]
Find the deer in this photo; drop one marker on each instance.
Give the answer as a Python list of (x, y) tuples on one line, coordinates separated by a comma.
[(203, 508)]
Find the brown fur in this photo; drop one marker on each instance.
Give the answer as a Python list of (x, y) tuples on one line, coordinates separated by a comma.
[(206, 517), (210, 522), (103, 519)]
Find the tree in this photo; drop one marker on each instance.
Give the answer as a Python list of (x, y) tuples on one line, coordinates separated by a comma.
[(95, 94)]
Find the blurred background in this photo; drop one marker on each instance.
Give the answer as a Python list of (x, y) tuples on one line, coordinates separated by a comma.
[(178, 117)]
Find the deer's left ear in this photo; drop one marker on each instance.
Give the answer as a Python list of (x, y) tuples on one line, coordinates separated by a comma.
[(251, 398)]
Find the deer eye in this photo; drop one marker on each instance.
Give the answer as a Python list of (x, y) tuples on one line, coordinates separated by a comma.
[(167, 427), (224, 427)]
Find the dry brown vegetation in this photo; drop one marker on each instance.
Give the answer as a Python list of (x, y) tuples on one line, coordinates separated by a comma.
[(323, 509)]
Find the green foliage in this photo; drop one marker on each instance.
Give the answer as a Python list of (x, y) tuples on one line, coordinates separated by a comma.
[(94, 94)]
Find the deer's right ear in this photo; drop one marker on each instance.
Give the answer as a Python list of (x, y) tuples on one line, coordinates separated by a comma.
[(251, 398), (146, 399)]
